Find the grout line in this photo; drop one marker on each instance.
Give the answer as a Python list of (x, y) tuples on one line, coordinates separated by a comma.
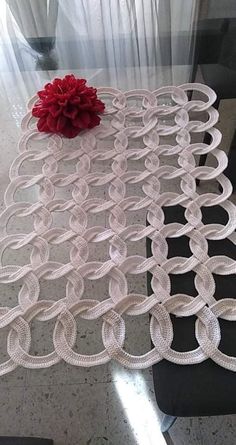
[(108, 413), (22, 411), (32, 385)]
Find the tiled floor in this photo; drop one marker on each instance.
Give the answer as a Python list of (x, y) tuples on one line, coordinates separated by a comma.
[(102, 405), (119, 409)]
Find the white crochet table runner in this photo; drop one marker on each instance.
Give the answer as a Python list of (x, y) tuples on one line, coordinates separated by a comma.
[(107, 180)]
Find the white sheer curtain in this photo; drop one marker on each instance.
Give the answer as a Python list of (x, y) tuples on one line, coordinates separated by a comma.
[(121, 33), (140, 41)]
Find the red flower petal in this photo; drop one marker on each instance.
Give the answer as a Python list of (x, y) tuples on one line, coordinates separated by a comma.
[(82, 120), (55, 110), (61, 123), (98, 106), (41, 94), (80, 83), (63, 101), (95, 120), (85, 103), (70, 111), (70, 132), (39, 111), (69, 77), (75, 100), (67, 106), (52, 123), (42, 124)]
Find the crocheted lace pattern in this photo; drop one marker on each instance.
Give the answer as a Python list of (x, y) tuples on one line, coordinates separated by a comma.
[(118, 171)]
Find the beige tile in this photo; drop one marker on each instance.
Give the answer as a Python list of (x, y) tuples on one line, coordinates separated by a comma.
[(133, 414), (215, 430), (11, 410), (68, 414)]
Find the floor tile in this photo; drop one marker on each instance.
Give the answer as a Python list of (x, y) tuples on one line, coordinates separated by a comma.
[(215, 430), (133, 413), (69, 414), (11, 410), (63, 373)]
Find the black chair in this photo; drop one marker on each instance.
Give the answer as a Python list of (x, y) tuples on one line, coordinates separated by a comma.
[(204, 389)]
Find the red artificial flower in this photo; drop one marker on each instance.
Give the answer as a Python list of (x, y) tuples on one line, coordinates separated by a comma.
[(67, 106)]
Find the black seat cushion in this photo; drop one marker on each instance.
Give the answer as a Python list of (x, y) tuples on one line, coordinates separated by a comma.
[(205, 388)]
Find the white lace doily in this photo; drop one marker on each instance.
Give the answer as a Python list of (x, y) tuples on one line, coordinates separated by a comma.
[(107, 180)]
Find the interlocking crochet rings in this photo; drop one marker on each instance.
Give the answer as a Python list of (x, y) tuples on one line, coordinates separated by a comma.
[(135, 130)]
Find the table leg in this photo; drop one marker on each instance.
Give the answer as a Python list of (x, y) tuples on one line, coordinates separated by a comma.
[(168, 439), (166, 422)]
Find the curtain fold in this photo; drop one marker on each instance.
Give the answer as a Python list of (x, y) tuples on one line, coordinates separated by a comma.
[(141, 36)]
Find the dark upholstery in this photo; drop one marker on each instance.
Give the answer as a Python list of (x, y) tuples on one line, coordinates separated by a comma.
[(205, 388)]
